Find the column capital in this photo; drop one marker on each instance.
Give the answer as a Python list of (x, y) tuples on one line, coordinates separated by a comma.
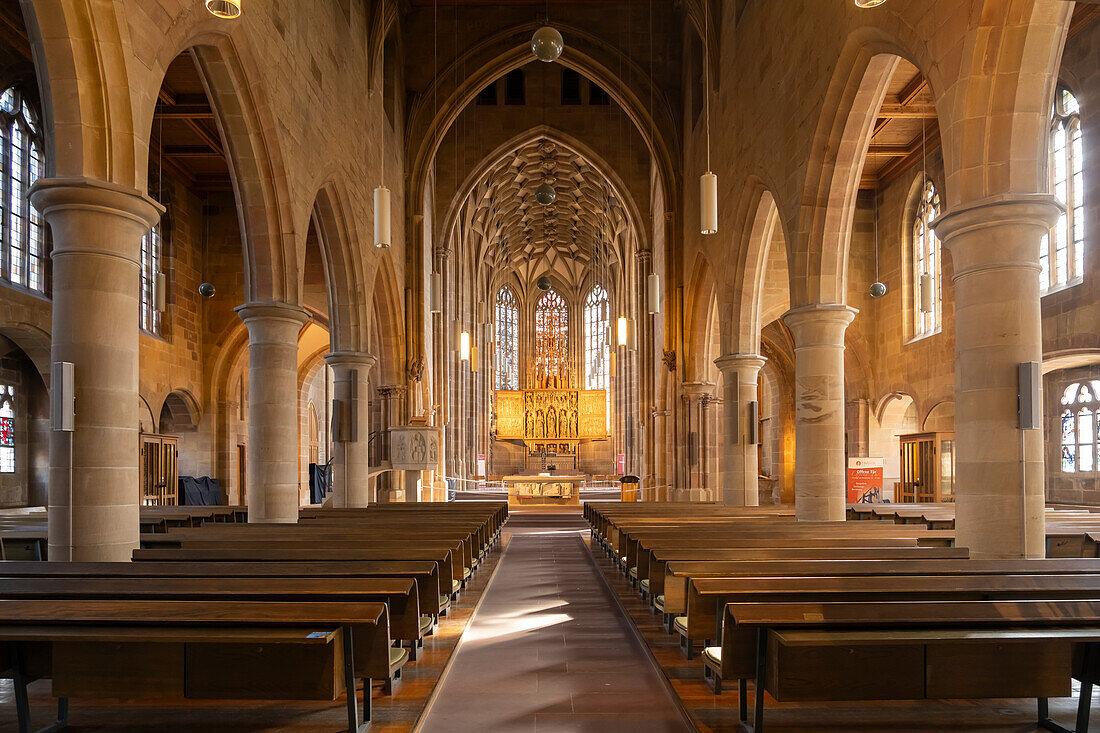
[(819, 323), (351, 360), (441, 253), (731, 364), (391, 390), (698, 389), (272, 311), (52, 195), (643, 256), (1035, 209)]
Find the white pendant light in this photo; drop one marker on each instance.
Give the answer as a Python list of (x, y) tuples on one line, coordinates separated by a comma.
[(624, 330), (225, 9), (382, 229), (464, 346), (654, 282), (708, 183), (160, 295), (926, 294), (547, 44), (708, 203), (437, 292)]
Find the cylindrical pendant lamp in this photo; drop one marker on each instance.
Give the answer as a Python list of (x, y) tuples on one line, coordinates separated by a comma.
[(708, 203), (464, 346), (631, 335), (225, 9), (926, 294), (381, 217), (654, 281), (473, 358), (624, 330), (161, 293)]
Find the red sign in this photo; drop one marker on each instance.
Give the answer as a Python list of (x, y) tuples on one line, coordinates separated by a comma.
[(864, 480), (620, 464)]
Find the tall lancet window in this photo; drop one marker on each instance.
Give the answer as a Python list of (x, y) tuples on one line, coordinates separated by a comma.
[(507, 335), (551, 340), (596, 349), (1062, 251), (22, 235), (927, 285), (1080, 420)]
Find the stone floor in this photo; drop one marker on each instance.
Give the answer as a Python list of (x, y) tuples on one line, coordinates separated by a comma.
[(549, 648)]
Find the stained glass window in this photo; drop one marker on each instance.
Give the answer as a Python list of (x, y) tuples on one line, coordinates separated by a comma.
[(22, 234), (596, 350), (1064, 262), (1080, 421), (151, 253), (7, 429), (926, 264), (507, 335), (551, 340)]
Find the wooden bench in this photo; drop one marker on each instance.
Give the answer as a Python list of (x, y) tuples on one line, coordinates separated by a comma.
[(443, 557), (399, 594), (922, 650), (424, 573), (196, 650), (711, 596)]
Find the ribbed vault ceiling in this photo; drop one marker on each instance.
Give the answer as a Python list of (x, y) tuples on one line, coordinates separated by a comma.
[(508, 228)]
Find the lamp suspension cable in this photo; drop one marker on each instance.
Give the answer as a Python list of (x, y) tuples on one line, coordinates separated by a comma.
[(382, 224), (708, 182)]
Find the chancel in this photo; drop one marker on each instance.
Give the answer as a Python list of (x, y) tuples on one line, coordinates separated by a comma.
[(479, 365)]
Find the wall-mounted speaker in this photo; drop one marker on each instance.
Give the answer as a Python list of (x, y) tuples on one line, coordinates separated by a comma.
[(1031, 408)]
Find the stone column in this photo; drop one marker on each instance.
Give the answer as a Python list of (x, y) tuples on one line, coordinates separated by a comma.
[(994, 245), (272, 473), (391, 396), (740, 472), (412, 486), (351, 451), (694, 395), (819, 410), (97, 229)]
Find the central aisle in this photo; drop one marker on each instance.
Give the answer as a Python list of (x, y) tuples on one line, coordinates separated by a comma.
[(549, 648)]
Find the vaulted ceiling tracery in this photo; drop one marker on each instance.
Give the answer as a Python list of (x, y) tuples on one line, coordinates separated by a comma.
[(586, 227)]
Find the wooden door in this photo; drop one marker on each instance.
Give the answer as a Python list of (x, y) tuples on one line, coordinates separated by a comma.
[(159, 471), (241, 473), (927, 468)]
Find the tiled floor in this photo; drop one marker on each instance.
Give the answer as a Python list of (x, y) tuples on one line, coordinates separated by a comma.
[(548, 649)]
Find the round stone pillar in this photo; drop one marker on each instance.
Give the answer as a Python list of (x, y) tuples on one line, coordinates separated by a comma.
[(94, 471), (819, 470), (351, 452), (740, 467), (999, 478), (273, 409)]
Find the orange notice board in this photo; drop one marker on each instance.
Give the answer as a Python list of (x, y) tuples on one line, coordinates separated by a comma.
[(864, 480)]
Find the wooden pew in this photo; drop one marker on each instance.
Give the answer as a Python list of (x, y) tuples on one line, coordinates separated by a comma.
[(443, 557), (737, 653), (399, 594), (424, 573), (198, 650), (922, 650)]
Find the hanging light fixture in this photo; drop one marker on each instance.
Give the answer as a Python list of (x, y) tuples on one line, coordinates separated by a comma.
[(543, 283), (225, 9), (654, 283), (624, 330), (869, 3), (464, 346), (545, 194), (708, 183), (547, 44), (382, 217)]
